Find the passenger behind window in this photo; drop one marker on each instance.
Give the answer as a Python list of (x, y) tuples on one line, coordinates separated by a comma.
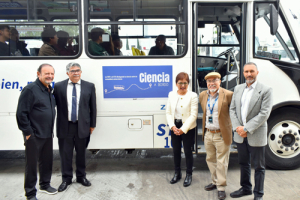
[(117, 44), (108, 45), (95, 45), (161, 48), (16, 46), (76, 46), (49, 37), (64, 44), (4, 36)]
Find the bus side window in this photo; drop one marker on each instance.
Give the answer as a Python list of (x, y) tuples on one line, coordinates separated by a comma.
[(152, 32), (279, 46)]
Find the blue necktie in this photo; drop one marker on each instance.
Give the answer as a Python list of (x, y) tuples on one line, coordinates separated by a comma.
[(74, 104)]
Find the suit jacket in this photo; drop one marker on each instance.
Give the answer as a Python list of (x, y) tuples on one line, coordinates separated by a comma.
[(87, 110), (224, 101), (259, 110), (189, 110)]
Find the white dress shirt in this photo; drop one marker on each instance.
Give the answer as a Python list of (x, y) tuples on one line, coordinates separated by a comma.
[(178, 113), (245, 100), (215, 125), (69, 97)]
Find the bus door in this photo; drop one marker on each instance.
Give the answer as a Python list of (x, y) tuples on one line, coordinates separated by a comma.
[(217, 46)]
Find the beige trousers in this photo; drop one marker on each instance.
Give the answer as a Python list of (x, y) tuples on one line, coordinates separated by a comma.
[(217, 158)]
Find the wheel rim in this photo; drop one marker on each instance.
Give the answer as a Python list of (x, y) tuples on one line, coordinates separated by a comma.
[(284, 139)]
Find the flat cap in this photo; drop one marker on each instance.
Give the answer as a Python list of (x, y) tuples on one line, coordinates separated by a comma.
[(212, 74)]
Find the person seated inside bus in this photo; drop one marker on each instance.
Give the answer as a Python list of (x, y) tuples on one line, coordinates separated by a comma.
[(49, 37), (95, 47), (16, 46), (108, 45), (76, 46), (4, 36), (64, 44), (160, 47), (118, 45)]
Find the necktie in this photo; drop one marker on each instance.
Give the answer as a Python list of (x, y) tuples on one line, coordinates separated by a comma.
[(74, 104)]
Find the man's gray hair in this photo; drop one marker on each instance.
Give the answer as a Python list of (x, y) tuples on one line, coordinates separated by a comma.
[(70, 65), (251, 63)]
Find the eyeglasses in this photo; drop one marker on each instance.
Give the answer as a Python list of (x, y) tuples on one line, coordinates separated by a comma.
[(212, 81), (75, 71), (184, 83)]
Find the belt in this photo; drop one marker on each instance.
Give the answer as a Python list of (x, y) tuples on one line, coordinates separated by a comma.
[(214, 131), (178, 120)]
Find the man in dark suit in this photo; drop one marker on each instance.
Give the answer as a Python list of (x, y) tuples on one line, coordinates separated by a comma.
[(76, 120)]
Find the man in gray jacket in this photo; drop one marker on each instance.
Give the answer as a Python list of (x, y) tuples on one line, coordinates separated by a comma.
[(250, 108)]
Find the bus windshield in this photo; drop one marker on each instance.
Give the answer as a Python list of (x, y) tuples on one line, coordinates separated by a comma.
[(293, 15)]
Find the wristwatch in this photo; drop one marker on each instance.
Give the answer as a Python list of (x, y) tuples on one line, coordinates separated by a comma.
[(245, 130)]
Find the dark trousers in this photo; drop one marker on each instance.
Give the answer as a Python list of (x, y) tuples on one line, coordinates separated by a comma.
[(66, 148), (37, 151), (245, 153), (188, 143)]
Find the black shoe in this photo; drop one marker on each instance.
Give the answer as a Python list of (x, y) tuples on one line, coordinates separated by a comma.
[(188, 180), (221, 195), (210, 187), (84, 182), (48, 190), (63, 186), (241, 192), (258, 198), (31, 198), (176, 178)]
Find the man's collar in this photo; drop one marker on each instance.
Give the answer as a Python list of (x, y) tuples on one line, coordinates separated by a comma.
[(70, 82)]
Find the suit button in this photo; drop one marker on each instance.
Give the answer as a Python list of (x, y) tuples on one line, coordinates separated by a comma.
[(181, 106), (181, 98), (182, 114)]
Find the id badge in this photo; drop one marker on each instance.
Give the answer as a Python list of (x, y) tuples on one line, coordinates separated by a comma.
[(210, 119)]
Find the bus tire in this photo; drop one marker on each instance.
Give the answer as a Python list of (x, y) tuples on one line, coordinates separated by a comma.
[(283, 148)]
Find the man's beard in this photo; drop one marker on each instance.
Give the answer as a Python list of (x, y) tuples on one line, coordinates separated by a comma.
[(250, 81), (213, 90)]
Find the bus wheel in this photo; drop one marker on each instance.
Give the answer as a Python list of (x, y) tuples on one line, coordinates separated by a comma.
[(282, 151)]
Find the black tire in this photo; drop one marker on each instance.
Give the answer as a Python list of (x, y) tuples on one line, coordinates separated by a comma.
[(272, 160)]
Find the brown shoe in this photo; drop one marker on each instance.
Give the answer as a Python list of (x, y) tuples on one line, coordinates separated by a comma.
[(210, 187), (221, 195)]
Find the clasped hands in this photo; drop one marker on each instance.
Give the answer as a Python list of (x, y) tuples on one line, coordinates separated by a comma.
[(177, 131), (241, 132)]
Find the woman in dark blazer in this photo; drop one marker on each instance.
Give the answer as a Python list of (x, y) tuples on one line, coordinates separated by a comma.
[(182, 111)]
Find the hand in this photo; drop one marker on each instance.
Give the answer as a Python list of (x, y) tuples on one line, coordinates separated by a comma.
[(91, 130), (241, 132), (180, 132), (27, 137), (175, 130), (239, 129)]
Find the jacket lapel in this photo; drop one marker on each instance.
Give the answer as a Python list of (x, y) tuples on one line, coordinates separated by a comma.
[(64, 90), (238, 102), (204, 103), (220, 100), (254, 98)]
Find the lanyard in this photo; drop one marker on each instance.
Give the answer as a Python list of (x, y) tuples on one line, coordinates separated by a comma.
[(208, 101)]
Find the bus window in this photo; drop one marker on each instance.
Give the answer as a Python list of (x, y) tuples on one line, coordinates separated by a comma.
[(277, 46), (39, 28), (153, 28)]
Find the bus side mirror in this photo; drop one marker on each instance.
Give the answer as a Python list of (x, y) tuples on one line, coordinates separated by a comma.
[(273, 19)]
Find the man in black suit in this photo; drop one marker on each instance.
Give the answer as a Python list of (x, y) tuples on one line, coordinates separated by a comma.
[(76, 120)]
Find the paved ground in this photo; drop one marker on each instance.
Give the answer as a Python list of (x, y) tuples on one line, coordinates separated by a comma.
[(144, 174)]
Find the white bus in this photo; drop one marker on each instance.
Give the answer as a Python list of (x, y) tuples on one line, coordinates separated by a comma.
[(214, 35)]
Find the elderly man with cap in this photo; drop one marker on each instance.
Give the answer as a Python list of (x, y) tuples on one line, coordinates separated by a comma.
[(217, 131)]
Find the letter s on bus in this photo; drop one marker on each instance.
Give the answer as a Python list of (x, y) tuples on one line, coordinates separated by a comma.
[(160, 127)]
